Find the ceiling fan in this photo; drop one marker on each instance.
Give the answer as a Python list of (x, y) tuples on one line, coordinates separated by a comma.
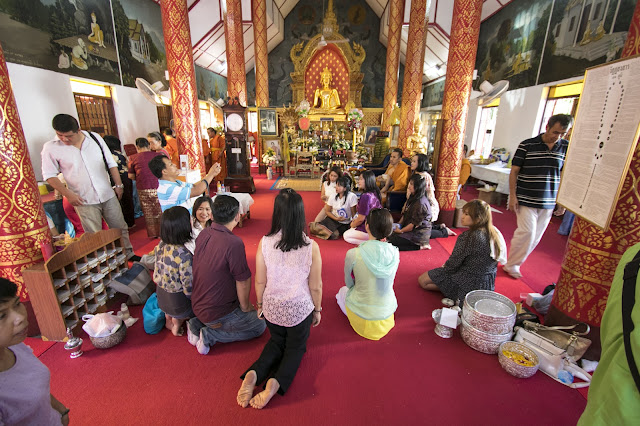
[(488, 92)]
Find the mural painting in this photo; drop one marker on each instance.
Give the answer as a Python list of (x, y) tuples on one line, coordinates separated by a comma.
[(140, 41), (357, 21), (433, 94), (211, 85), (584, 33), (75, 37), (511, 42)]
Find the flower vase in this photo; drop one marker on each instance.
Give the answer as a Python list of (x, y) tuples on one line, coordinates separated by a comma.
[(270, 172)]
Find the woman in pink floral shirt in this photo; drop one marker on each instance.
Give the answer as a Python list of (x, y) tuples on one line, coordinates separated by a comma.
[(289, 291)]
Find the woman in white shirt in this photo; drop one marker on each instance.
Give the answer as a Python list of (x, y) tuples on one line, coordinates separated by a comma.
[(328, 189), (340, 209)]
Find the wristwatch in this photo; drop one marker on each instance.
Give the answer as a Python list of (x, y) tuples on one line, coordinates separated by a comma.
[(317, 310), (118, 186)]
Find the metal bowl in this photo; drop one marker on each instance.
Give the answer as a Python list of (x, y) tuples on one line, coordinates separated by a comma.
[(111, 340), (514, 368), (489, 311), (482, 341)]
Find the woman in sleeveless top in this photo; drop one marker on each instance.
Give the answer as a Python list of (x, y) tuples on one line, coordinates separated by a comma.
[(289, 292)]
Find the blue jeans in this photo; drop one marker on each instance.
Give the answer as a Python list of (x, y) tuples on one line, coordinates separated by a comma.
[(236, 326), (567, 223)]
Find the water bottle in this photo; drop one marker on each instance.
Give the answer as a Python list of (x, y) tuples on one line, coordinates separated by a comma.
[(219, 187), (222, 189), (565, 377)]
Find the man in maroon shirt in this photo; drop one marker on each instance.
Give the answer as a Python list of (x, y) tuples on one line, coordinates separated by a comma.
[(221, 283)]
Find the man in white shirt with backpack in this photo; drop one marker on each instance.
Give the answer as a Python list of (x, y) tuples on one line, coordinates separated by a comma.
[(86, 163)]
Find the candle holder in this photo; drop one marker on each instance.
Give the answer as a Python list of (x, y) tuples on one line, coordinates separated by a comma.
[(73, 345)]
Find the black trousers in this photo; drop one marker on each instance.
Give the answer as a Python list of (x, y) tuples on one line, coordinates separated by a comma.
[(282, 354), (402, 243), (439, 231)]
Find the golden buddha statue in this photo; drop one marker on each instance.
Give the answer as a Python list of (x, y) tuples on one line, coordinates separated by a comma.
[(417, 142), (326, 98)]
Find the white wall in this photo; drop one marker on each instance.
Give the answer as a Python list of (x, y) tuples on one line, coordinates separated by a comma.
[(41, 94), (135, 115)]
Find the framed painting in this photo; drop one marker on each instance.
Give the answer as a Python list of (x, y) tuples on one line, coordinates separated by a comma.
[(370, 133), (268, 122)]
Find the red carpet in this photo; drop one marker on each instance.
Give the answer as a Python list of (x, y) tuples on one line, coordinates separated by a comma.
[(410, 376)]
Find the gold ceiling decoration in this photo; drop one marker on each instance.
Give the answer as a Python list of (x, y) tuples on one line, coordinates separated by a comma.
[(302, 53)]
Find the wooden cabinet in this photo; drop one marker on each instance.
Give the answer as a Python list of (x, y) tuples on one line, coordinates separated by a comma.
[(74, 282)]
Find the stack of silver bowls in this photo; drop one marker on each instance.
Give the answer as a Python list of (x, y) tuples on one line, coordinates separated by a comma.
[(487, 320)]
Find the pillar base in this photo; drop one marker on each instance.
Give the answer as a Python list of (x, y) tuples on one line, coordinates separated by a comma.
[(556, 317)]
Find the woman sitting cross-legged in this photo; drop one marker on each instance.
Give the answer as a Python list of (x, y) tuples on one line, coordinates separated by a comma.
[(414, 228), (340, 209), (368, 299), (173, 268), (289, 292), (474, 260), (420, 165), (369, 200)]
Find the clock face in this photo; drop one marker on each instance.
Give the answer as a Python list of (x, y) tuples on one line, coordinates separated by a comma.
[(235, 122)]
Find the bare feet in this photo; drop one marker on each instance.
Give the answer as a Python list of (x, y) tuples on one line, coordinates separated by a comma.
[(246, 389), (168, 323), (450, 232), (425, 247), (263, 398), (176, 326)]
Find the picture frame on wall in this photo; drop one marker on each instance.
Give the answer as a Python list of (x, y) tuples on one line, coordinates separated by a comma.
[(273, 143), (267, 122), (370, 133)]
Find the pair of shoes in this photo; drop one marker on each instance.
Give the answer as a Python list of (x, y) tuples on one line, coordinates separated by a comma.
[(192, 338), (514, 273), (203, 349)]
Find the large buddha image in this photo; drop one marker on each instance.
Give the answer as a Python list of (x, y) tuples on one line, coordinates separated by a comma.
[(326, 98)]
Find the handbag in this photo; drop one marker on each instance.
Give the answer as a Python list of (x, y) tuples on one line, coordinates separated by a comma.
[(552, 359), (574, 345), (153, 318)]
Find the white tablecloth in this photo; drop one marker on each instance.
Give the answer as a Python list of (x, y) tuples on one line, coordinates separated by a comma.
[(245, 200), (494, 173)]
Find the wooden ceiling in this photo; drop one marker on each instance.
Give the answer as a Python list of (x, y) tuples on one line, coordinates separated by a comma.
[(209, 51)]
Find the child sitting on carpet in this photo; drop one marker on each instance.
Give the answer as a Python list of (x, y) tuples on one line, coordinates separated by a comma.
[(368, 299), (339, 209), (173, 268), (289, 294), (474, 260), (25, 395), (328, 189)]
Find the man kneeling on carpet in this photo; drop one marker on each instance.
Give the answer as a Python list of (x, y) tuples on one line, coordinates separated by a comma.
[(221, 283), (475, 257), (289, 292), (368, 299)]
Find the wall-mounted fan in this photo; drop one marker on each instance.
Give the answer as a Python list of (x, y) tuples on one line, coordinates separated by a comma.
[(152, 92), (489, 92)]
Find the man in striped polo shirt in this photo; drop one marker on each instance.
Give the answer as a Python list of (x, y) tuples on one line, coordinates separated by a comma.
[(533, 187)]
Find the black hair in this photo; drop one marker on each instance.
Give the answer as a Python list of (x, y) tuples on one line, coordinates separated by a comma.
[(336, 169), (157, 165), (142, 143), (8, 290), (380, 223), (423, 163), (288, 218), (167, 131), (398, 150), (65, 123), (345, 182), (370, 184), (419, 189), (159, 137), (196, 206), (465, 148), (211, 129), (112, 142), (565, 120), (175, 226), (225, 209)]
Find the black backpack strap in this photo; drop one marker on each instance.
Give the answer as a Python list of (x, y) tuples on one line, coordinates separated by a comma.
[(101, 152), (628, 302)]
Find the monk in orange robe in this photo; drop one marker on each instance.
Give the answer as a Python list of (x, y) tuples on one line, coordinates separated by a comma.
[(172, 147), (218, 152)]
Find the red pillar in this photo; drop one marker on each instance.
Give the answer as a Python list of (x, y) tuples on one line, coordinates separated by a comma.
[(236, 75), (396, 16), (182, 79), (23, 224), (259, 12), (463, 46)]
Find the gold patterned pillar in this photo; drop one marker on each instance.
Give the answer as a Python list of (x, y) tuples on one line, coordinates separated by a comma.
[(182, 79), (236, 76), (23, 224), (259, 12), (413, 69), (463, 46), (592, 255), (396, 17)]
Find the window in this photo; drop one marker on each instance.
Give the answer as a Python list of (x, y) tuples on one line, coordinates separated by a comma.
[(483, 141), (96, 114), (562, 99), (572, 23), (165, 115)]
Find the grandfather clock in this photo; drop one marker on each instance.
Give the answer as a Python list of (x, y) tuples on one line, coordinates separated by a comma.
[(238, 171)]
